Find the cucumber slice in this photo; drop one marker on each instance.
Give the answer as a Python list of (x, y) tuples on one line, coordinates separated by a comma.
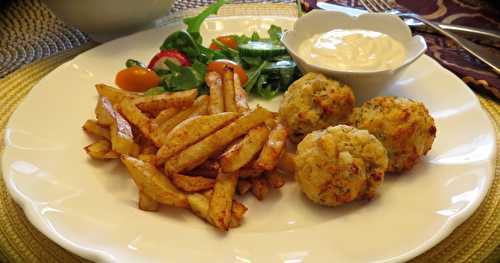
[(261, 49), (279, 66)]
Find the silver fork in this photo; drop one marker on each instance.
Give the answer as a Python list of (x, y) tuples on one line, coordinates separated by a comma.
[(488, 56)]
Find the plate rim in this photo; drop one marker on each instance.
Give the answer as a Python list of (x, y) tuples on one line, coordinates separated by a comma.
[(44, 226)]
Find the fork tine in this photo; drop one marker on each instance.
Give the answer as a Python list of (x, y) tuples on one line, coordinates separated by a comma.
[(376, 6), (367, 7), (386, 4)]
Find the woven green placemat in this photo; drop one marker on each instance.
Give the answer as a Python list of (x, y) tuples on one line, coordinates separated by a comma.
[(476, 240)]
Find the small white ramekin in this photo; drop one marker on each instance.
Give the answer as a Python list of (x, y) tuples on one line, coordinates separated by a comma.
[(320, 21)]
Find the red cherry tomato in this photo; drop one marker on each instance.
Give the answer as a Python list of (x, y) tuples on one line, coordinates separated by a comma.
[(221, 65), (137, 79), (226, 40)]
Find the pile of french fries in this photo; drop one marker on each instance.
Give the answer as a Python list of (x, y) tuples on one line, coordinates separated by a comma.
[(191, 151)]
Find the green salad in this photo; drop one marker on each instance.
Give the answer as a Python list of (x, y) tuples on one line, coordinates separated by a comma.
[(262, 63)]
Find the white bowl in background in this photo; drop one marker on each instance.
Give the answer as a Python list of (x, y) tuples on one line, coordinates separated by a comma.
[(108, 19), (320, 21)]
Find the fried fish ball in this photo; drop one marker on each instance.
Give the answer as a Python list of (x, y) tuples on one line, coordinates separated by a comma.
[(315, 102), (340, 164), (404, 126)]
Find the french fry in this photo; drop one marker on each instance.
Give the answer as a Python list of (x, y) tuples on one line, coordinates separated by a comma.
[(200, 203), (216, 155), (228, 92), (113, 94), (216, 101), (249, 172), (163, 116), (275, 179), (94, 128), (148, 148), (122, 138), (198, 153), (240, 95), (160, 102), (271, 124), (243, 186), (208, 193), (235, 222), (102, 115), (219, 211), (191, 131), (260, 188), (286, 163), (238, 209), (153, 183), (243, 152), (192, 183), (199, 107), (147, 203), (269, 156), (207, 169), (135, 116), (149, 158), (101, 150)]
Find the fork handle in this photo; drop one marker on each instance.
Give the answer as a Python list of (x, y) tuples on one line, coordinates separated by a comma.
[(488, 37), (488, 56)]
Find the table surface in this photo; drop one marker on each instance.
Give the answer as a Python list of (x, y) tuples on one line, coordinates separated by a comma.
[(33, 42)]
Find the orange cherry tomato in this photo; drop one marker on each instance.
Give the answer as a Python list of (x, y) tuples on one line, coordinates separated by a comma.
[(226, 40), (137, 79), (221, 65)]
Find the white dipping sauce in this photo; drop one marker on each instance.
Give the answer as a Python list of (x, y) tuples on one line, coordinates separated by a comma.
[(353, 49)]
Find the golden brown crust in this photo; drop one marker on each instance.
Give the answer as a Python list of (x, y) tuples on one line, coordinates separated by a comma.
[(405, 127), (340, 164), (315, 102)]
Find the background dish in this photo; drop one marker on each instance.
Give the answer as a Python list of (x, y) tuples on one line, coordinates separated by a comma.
[(62, 193)]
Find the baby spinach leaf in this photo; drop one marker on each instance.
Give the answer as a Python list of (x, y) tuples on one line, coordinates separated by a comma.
[(155, 91), (199, 69), (182, 41)]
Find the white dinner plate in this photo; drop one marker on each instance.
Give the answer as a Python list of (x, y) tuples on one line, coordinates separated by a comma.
[(90, 207)]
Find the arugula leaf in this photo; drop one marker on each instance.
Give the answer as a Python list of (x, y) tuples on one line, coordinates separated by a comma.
[(243, 39), (207, 55), (253, 75), (255, 37), (275, 33), (194, 23), (132, 62), (252, 61), (300, 11), (265, 89), (231, 53)]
